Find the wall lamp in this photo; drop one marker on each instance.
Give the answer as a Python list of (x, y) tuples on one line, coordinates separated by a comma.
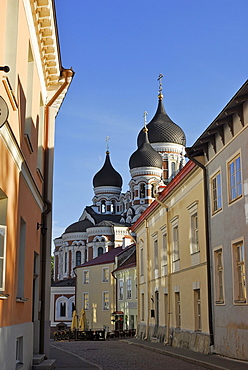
[(42, 228), (6, 69)]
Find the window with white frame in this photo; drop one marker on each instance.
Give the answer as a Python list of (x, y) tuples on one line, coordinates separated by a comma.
[(219, 276), (61, 308), (175, 235), (2, 256), (194, 241), (65, 262), (105, 274), (197, 309), (155, 246), (105, 301), (129, 288), (239, 272), (121, 290), (178, 309), (235, 178), (141, 261), (78, 258), (86, 301), (216, 193), (86, 277)]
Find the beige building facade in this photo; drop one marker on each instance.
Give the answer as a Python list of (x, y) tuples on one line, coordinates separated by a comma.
[(221, 151), (32, 92), (172, 265)]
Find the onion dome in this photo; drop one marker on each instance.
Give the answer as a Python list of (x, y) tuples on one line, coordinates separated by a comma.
[(107, 176), (162, 129), (79, 226), (145, 155)]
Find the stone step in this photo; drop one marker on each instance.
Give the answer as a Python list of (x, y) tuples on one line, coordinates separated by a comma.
[(45, 365), (37, 359)]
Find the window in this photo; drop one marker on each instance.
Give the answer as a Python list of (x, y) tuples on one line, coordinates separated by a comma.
[(86, 302), (142, 262), (173, 170), (216, 193), (105, 274), (65, 265), (194, 234), (62, 312), (153, 190), (164, 255), (105, 300), (178, 309), (155, 246), (103, 206), (166, 308), (78, 258), (142, 190), (99, 251), (175, 244), (239, 272), (21, 259), (142, 307), (235, 179), (219, 290), (129, 288), (2, 256), (19, 352), (86, 277), (194, 241), (121, 290), (112, 207), (197, 309)]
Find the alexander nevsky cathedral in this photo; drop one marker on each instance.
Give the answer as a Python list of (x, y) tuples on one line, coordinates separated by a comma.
[(104, 225)]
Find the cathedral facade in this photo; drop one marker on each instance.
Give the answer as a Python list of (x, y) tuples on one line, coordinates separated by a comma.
[(105, 224)]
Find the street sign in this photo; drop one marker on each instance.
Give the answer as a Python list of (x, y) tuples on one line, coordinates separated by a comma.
[(4, 111)]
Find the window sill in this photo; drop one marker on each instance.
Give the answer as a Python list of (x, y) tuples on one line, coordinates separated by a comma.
[(21, 299), (4, 296)]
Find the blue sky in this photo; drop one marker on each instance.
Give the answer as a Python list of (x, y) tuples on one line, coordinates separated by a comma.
[(117, 49)]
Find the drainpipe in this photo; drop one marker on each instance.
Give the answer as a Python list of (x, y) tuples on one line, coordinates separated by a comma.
[(47, 216), (210, 310), (167, 340)]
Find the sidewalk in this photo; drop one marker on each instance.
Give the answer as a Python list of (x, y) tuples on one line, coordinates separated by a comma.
[(66, 360), (208, 361)]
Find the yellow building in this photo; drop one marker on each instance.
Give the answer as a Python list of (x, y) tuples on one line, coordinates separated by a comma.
[(172, 265), (95, 290), (32, 92), (125, 315)]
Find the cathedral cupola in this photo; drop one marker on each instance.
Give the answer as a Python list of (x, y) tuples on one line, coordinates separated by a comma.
[(145, 155), (107, 188), (107, 176), (167, 138)]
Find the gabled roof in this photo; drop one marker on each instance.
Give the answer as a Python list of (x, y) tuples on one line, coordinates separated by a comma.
[(108, 257)]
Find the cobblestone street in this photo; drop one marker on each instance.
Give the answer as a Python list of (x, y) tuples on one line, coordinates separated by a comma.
[(114, 355)]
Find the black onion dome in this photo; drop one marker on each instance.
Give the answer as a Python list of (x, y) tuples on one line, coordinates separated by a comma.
[(145, 156), (79, 226), (162, 129), (107, 176)]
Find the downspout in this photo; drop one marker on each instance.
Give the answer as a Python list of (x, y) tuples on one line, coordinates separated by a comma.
[(167, 340), (116, 291), (47, 223), (210, 309)]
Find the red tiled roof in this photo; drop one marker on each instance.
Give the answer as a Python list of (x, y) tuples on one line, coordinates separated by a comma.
[(108, 257)]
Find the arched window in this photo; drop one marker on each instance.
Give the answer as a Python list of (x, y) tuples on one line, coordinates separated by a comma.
[(112, 207), (103, 206), (142, 190), (173, 169), (100, 251), (62, 312), (78, 258), (153, 190)]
